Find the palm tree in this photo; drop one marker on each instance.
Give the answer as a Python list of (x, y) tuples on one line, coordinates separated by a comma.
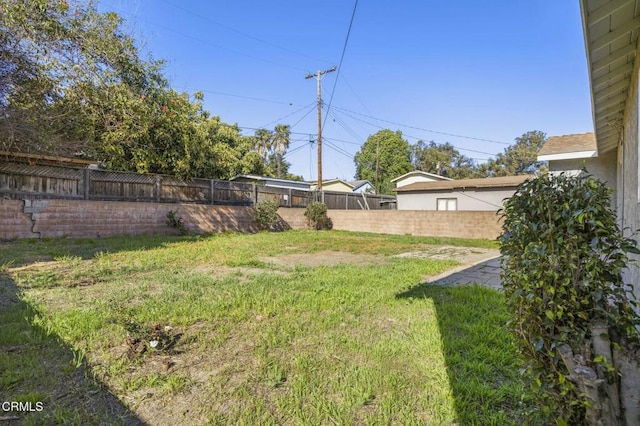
[(263, 143), (280, 144)]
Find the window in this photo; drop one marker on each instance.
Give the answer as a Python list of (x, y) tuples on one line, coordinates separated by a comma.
[(447, 204)]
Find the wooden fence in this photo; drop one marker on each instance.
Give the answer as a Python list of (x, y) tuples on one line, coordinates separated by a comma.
[(24, 181)]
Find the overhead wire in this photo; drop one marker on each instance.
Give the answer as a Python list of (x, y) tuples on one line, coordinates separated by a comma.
[(288, 115), (416, 137), (218, 46), (235, 30), (344, 49), (421, 128)]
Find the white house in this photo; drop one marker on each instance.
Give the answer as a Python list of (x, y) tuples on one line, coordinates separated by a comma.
[(611, 31), (571, 154), (486, 194), (417, 176)]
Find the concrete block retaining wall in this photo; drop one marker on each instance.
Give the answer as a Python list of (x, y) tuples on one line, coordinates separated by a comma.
[(77, 218)]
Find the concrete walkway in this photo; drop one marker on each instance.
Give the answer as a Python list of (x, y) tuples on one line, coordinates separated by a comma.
[(485, 273)]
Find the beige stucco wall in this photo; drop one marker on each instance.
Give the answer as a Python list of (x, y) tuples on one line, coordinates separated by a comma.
[(603, 167), (470, 200), (628, 195)]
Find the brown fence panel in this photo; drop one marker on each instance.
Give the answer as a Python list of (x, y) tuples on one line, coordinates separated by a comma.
[(279, 195), (174, 190), (18, 180), (121, 186), (233, 193), (300, 198)]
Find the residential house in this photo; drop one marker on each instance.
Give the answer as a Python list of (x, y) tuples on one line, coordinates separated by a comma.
[(335, 185), (273, 182), (362, 186), (611, 31), (570, 154), (486, 194), (417, 176)]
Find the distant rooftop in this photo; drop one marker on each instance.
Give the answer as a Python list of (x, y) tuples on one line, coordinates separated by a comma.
[(581, 145), (420, 173), (462, 184)]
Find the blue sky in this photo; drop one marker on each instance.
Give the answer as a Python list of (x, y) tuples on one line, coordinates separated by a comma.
[(487, 70)]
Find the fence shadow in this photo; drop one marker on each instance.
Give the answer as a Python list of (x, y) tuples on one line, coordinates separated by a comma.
[(480, 356), (50, 383), (48, 249)]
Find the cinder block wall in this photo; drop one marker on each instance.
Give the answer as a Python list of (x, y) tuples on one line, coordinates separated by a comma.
[(461, 224), (14, 223), (58, 218)]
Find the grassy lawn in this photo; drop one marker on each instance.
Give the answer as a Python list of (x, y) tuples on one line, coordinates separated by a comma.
[(292, 328)]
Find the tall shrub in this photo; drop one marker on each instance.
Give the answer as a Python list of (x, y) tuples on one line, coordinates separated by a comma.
[(317, 218), (572, 316), (266, 214)]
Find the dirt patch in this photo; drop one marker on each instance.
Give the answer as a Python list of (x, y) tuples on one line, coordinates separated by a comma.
[(464, 255), (324, 258)]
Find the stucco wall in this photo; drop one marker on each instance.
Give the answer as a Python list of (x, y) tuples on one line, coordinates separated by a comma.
[(628, 195), (470, 200), (603, 167)]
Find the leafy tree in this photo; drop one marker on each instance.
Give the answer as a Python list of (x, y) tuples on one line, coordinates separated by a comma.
[(69, 78), (519, 158), (383, 157), (71, 81), (443, 159)]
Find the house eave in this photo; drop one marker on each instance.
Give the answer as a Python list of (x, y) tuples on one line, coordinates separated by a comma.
[(568, 156), (611, 31)]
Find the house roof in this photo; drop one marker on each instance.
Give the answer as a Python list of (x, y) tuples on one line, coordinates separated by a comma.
[(330, 181), (462, 184), (611, 29), (358, 183), (581, 145), (272, 180), (420, 173), (45, 159)]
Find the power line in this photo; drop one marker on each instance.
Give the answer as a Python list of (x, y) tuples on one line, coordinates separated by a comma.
[(423, 129), (344, 49), (218, 46), (238, 96), (288, 115), (235, 30), (415, 137)]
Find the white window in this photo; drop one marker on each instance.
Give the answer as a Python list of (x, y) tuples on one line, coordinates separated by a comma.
[(447, 204)]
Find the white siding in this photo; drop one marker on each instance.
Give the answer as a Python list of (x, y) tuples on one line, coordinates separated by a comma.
[(628, 195), (470, 200)]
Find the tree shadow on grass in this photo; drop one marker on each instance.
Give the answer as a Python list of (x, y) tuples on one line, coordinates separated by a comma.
[(480, 355), (50, 380)]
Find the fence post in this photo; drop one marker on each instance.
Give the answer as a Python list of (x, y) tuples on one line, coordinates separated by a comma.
[(158, 188), (290, 201), (322, 196), (211, 190), (86, 183), (255, 194), (346, 203)]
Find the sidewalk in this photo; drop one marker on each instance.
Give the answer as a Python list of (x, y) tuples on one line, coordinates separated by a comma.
[(485, 273)]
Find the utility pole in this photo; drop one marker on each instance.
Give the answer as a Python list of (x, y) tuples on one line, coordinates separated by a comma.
[(377, 164), (318, 75)]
